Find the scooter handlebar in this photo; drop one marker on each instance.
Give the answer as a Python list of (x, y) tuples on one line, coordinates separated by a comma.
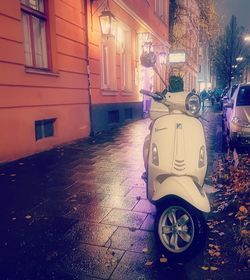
[(153, 95)]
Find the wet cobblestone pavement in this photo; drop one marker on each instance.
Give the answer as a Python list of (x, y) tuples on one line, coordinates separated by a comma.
[(80, 211)]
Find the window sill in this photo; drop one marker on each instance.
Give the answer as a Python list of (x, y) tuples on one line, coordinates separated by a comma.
[(41, 71), (109, 92), (126, 92)]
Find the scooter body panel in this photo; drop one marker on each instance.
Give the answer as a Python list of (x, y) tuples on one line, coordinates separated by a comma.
[(177, 149), (184, 188)]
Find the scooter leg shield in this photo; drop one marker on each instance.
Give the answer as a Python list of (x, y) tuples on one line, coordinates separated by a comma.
[(182, 187)]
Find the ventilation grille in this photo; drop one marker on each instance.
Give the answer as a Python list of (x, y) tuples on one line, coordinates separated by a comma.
[(179, 165)]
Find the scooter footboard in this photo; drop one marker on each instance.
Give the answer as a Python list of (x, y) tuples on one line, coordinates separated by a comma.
[(182, 187)]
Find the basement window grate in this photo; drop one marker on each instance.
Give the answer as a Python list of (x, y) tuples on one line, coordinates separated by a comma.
[(44, 128)]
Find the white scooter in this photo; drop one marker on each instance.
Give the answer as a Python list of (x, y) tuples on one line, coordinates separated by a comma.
[(176, 162)]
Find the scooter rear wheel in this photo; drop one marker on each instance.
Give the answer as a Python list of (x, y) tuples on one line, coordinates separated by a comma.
[(180, 230)]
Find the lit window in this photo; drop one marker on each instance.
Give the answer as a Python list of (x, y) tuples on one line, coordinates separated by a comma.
[(108, 63), (44, 128), (34, 21)]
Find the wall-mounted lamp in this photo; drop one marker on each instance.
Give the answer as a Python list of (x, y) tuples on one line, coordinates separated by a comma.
[(108, 23), (162, 58)]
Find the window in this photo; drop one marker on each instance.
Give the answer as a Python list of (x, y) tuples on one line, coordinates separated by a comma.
[(125, 42), (108, 63), (34, 19), (113, 116), (44, 128), (243, 98), (160, 9)]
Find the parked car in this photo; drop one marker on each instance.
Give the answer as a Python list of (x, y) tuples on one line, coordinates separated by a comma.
[(238, 116), (228, 96)]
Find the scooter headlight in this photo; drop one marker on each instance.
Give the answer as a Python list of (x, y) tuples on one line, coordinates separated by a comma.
[(193, 104)]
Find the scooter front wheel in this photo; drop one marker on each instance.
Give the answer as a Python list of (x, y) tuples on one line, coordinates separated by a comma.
[(179, 229)]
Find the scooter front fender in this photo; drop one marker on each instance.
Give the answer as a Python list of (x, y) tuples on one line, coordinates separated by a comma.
[(182, 187)]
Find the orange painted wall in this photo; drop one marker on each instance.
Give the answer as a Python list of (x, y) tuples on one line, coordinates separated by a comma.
[(61, 94), (143, 10)]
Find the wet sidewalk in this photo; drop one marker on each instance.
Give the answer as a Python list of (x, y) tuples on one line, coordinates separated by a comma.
[(80, 211)]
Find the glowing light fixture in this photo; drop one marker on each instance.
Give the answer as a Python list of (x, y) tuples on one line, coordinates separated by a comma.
[(240, 58), (247, 38), (108, 23)]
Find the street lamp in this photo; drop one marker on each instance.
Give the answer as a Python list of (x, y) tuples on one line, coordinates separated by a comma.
[(240, 58), (247, 38), (107, 23)]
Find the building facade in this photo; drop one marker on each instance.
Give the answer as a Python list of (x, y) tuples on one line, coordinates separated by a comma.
[(62, 78), (185, 43), (204, 77)]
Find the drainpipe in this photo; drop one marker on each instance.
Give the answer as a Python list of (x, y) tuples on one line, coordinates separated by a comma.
[(85, 4)]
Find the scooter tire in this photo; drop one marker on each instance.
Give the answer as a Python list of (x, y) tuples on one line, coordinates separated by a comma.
[(196, 224)]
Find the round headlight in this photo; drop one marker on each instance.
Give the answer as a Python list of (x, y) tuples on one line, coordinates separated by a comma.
[(193, 104)]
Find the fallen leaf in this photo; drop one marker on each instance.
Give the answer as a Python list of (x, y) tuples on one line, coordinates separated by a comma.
[(205, 267), (163, 260), (13, 175), (213, 268), (28, 217), (221, 233), (217, 254), (14, 218), (245, 233), (243, 209), (217, 247), (148, 263), (211, 252), (230, 214), (145, 250)]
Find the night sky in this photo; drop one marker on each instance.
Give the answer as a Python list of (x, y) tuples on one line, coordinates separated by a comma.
[(239, 8)]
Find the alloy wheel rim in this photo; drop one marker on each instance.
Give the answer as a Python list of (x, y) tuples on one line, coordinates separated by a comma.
[(176, 229)]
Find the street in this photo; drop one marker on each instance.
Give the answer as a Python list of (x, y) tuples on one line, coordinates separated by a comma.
[(80, 211)]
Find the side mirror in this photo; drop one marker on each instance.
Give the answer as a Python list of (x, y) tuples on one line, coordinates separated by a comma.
[(148, 59)]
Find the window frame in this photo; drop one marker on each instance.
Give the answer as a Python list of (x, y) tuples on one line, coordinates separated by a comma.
[(126, 60), (108, 70), (44, 17)]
